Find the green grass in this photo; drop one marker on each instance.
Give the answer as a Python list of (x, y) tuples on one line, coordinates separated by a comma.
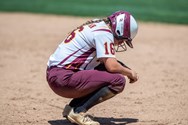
[(168, 11)]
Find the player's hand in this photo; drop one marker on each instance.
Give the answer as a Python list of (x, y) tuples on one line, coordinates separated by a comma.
[(133, 77)]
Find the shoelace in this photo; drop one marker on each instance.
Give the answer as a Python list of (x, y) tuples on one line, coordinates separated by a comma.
[(87, 119)]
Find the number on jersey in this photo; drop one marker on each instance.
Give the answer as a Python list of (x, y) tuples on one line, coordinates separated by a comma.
[(109, 48), (73, 34)]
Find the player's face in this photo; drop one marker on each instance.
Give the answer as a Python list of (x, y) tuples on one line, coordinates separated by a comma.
[(118, 42)]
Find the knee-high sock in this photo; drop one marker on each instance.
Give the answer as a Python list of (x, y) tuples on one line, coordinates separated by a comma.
[(93, 99), (76, 102)]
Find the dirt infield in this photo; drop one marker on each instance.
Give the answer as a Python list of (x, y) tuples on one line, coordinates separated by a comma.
[(160, 97)]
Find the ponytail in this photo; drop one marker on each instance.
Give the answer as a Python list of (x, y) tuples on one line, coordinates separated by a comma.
[(106, 20)]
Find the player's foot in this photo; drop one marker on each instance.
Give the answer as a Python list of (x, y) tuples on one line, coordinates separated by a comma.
[(78, 118)]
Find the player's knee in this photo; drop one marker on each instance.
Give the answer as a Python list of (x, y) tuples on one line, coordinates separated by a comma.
[(119, 84)]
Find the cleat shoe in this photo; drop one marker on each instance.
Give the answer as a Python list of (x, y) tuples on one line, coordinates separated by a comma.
[(66, 111), (80, 119)]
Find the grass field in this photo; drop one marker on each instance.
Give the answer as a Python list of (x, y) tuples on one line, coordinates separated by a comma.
[(169, 11)]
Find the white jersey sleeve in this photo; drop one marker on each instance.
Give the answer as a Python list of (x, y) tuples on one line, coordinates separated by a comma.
[(104, 43)]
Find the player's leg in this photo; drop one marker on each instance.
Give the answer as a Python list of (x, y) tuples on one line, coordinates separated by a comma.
[(97, 87), (91, 81)]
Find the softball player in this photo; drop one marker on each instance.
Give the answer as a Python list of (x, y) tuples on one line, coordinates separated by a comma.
[(84, 66)]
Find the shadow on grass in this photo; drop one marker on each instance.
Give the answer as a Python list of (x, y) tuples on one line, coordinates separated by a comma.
[(102, 120)]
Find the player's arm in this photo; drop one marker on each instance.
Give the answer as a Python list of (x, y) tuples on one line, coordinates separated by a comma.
[(113, 66)]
